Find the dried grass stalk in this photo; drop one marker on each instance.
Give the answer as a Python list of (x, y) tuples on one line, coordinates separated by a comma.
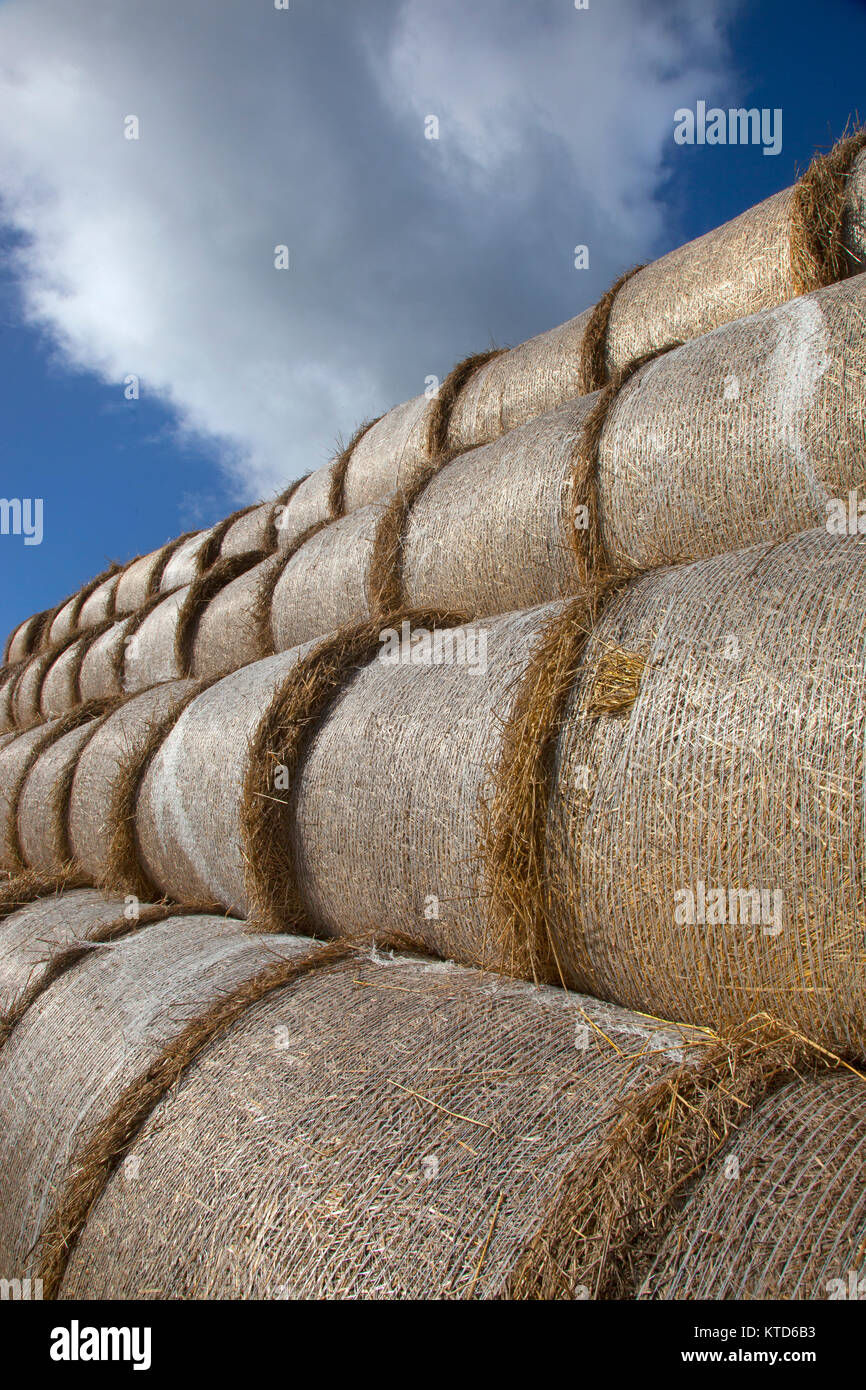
[(513, 825), (618, 1203), (819, 253), (616, 682)]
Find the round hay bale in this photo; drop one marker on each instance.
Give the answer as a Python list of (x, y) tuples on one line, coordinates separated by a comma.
[(198, 598), (384, 812), (43, 802), (26, 697), (489, 532), (183, 566), (101, 766), (254, 529), (19, 643), (739, 268), (853, 227), (397, 1127), (100, 604), (30, 937), (526, 381), (781, 1213), (739, 436), (64, 622), (189, 805), (8, 681), (391, 453), (309, 503), (60, 690), (16, 758), (704, 842), (323, 586), (230, 632), (150, 652), (93, 1036), (100, 674), (139, 580)]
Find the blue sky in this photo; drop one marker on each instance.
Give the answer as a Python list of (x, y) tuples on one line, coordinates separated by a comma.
[(306, 127)]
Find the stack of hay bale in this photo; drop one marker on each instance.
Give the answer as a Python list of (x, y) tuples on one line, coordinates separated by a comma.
[(447, 880)]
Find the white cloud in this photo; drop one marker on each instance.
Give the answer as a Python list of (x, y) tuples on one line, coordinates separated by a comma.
[(305, 126)]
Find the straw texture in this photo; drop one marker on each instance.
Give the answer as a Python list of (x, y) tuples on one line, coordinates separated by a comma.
[(189, 805), (396, 1129), (781, 1213), (736, 768), (100, 771), (324, 584), (98, 1029)]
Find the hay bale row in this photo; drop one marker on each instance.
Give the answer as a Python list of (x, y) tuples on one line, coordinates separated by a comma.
[(703, 757), (140, 651), (191, 1111), (791, 244), (763, 424), (740, 436), (797, 241), (122, 591), (711, 735), (63, 784)]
